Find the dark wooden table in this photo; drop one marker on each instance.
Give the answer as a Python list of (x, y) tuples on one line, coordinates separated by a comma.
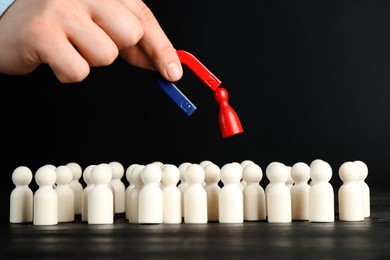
[(369, 239)]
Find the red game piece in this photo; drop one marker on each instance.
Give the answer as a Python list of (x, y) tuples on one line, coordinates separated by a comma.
[(228, 120)]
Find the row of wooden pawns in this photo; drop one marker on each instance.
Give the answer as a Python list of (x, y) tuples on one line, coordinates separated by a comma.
[(189, 193)]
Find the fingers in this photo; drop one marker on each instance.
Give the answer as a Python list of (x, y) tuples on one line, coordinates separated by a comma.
[(70, 36), (128, 26), (117, 21), (136, 56), (154, 43), (93, 33), (62, 57)]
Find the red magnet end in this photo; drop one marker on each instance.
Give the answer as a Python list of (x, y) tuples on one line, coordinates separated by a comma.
[(199, 69), (228, 120)]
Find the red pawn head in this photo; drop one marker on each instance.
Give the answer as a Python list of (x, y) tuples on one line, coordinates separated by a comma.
[(228, 120)]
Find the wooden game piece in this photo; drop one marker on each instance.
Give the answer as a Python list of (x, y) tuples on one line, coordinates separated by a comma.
[(300, 174), (50, 165), (182, 169), (158, 163), (365, 188), (101, 197), (21, 198), (350, 193), (128, 175), (195, 196), (212, 178), (228, 119), (150, 207), (87, 189), (65, 194), (76, 186), (204, 163), (129, 188), (278, 194), (311, 182), (246, 162), (315, 161), (119, 187), (321, 194), (132, 200), (243, 164), (183, 183), (171, 194), (269, 166), (45, 208), (241, 183), (290, 181), (53, 167), (109, 168), (254, 195), (231, 204)]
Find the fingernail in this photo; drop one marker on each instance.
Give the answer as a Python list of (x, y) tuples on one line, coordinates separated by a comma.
[(173, 71)]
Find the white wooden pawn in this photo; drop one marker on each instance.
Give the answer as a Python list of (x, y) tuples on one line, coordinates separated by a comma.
[(119, 187), (150, 207), (321, 194), (311, 182), (195, 196), (128, 175), (158, 163), (129, 188), (133, 200), (350, 193), (109, 168), (204, 163), (231, 202), (212, 178), (241, 183), (254, 195), (76, 186), (183, 183), (50, 165), (171, 194), (267, 170), (300, 174), (87, 189), (365, 188), (45, 208), (101, 197), (65, 194), (21, 198), (290, 181), (278, 194), (246, 162), (243, 164), (269, 166), (53, 167)]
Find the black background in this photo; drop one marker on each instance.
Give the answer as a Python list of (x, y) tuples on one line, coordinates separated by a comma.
[(308, 79)]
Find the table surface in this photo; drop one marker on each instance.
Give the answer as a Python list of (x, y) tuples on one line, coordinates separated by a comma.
[(368, 239)]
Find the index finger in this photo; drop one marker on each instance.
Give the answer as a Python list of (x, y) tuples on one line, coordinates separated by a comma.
[(155, 42)]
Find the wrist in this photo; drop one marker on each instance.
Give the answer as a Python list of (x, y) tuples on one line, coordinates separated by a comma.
[(4, 5)]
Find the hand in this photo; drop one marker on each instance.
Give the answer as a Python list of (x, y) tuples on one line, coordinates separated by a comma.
[(73, 35)]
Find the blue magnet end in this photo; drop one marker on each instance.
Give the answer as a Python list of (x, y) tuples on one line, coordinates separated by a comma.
[(176, 95)]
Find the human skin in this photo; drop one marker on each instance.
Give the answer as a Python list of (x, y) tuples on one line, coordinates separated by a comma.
[(74, 35)]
